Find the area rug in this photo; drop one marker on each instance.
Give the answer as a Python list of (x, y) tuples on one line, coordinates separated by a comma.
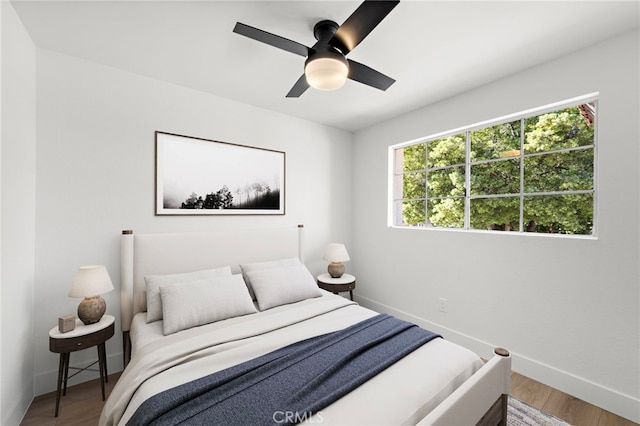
[(522, 414)]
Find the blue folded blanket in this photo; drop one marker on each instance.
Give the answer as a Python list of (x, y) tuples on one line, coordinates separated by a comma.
[(289, 385)]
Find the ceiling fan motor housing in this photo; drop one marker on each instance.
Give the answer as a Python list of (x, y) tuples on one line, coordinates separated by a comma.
[(324, 30)]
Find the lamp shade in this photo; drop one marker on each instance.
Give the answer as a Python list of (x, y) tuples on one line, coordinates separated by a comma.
[(336, 252), (326, 70), (91, 280)]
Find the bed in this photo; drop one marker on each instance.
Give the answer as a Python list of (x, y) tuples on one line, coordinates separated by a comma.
[(178, 348)]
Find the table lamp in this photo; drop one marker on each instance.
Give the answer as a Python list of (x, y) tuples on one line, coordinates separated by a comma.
[(336, 254), (90, 282)]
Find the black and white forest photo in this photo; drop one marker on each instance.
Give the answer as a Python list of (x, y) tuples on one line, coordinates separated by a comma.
[(197, 176)]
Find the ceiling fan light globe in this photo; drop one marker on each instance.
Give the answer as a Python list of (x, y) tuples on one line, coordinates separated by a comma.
[(327, 72)]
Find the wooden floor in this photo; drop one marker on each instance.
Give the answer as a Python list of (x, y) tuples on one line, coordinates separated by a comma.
[(83, 403), (572, 410)]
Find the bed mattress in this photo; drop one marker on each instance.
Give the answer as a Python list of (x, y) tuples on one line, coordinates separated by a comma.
[(402, 394)]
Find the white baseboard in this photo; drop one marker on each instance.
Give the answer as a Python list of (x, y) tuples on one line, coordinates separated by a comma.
[(593, 393)]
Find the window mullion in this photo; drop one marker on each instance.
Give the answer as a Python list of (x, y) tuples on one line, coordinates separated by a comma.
[(467, 181), (594, 229), (522, 174), (427, 198)]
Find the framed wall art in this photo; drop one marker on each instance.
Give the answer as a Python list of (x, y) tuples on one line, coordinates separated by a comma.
[(196, 176)]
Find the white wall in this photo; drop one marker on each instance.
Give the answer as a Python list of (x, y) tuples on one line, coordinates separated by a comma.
[(17, 230), (568, 309), (95, 173)]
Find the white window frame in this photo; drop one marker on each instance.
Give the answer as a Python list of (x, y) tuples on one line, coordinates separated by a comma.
[(395, 187)]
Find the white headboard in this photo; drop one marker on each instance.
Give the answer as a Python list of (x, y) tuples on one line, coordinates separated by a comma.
[(170, 253)]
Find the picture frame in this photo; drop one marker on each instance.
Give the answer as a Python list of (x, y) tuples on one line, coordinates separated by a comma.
[(196, 176)]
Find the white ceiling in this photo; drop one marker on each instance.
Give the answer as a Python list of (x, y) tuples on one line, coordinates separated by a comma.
[(434, 49)]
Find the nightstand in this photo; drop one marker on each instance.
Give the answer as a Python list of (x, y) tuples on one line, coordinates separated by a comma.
[(82, 337), (336, 285)]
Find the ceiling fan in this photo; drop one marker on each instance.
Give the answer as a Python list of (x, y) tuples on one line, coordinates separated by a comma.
[(326, 67)]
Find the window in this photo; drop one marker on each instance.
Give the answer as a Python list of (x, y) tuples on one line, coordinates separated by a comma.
[(530, 172)]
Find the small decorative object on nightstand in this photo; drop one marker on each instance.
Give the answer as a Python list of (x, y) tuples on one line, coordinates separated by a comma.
[(82, 337), (66, 323), (346, 282), (336, 254), (90, 282)]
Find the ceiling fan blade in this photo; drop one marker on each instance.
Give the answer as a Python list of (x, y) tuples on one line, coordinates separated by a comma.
[(369, 76), (299, 88), (361, 22), (271, 39)]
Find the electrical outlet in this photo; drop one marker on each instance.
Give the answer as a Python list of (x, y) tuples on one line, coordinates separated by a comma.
[(444, 305)]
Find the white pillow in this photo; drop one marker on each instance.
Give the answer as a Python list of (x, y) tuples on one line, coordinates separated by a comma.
[(261, 266), (153, 283), (203, 302), (274, 287)]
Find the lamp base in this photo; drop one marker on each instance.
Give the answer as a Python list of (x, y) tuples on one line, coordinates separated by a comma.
[(335, 269), (91, 309)]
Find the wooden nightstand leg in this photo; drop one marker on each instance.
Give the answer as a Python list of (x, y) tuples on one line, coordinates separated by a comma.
[(351, 294), (102, 366), (104, 357), (67, 356), (60, 377)]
